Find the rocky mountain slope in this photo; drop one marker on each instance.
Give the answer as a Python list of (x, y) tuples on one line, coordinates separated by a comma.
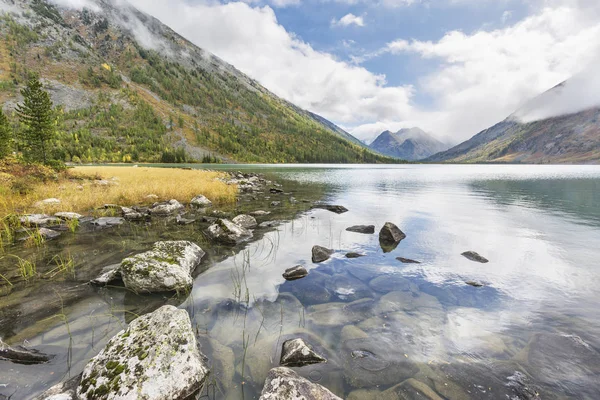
[(530, 136), (131, 89), (407, 144)]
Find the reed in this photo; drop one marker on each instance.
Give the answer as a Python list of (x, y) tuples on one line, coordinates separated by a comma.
[(81, 189)]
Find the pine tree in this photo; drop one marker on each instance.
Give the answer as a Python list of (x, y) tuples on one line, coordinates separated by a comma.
[(5, 136), (37, 116)]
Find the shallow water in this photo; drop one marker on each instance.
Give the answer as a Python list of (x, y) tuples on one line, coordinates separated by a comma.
[(534, 326)]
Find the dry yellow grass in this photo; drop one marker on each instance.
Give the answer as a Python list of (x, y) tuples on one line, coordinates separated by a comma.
[(126, 186)]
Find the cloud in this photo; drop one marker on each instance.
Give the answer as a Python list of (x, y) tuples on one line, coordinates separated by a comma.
[(347, 20), (251, 39), (485, 76)]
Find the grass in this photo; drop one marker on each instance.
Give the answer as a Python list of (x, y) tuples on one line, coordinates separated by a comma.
[(79, 189)]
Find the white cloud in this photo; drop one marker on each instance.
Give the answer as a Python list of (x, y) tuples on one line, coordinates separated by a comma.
[(485, 76), (252, 40), (347, 20)]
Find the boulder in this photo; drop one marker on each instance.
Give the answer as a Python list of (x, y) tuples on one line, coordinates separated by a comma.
[(131, 214), (156, 357), (297, 272), (366, 229), (227, 232), (200, 201), (260, 213), (296, 353), (275, 191), (108, 221), (48, 234), (407, 260), (39, 220), (165, 268), (333, 208), (47, 202), (169, 207), (275, 203), (108, 274), (245, 221), (22, 355), (389, 237), (320, 254), (269, 224), (184, 221), (284, 384), (473, 256), (68, 216)]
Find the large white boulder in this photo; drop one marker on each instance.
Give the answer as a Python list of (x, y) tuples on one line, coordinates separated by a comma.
[(155, 358)]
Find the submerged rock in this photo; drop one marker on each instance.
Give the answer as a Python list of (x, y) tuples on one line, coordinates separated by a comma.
[(269, 224), (320, 254), (407, 260), (245, 221), (411, 389), (166, 208), (354, 255), (296, 353), (297, 272), (22, 355), (333, 208), (275, 190), (156, 357), (227, 232), (284, 384), (473, 256), (366, 229), (200, 201), (369, 362), (389, 237), (165, 268)]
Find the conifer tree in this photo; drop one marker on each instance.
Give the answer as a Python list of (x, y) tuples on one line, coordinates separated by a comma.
[(37, 116), (5, 136)]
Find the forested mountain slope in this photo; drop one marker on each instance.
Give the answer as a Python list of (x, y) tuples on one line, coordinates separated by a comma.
[(131, 89)]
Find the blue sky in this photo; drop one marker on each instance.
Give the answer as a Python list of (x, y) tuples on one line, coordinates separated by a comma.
[(451, 67)]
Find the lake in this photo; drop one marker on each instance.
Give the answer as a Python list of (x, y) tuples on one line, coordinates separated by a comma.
[(529, 328)]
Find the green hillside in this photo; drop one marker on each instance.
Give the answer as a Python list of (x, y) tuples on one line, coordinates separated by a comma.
[(118, 100)]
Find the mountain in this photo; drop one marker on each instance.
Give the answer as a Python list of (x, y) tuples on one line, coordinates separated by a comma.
[(407, 144), (532, 135), (131, 89)]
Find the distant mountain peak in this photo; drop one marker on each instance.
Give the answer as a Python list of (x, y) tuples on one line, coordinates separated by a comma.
[(408, 143)]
